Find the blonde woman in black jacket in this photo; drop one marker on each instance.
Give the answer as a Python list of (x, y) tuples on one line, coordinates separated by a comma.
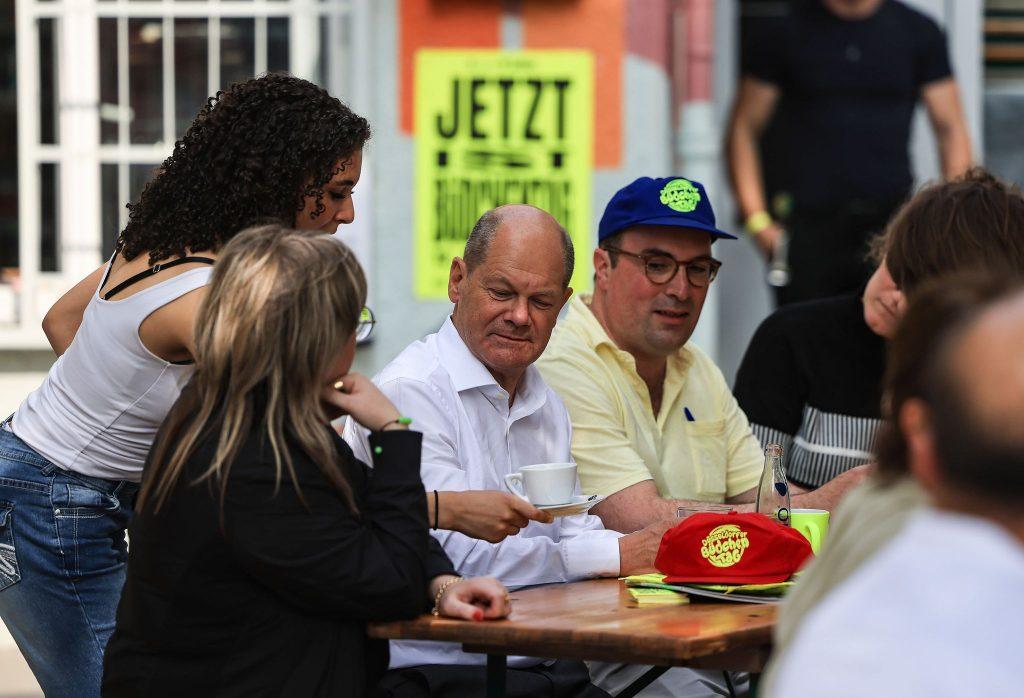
[(260, 545)]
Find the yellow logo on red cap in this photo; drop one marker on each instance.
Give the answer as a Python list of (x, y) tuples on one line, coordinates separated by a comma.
[(724, 545)]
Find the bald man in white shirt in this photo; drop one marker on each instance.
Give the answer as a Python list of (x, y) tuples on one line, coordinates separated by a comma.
[(485, 412)]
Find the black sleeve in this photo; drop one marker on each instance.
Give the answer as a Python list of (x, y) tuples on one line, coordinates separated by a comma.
[(318, 554), (438, 562), (770, 388), (932, 54), (762, 52)]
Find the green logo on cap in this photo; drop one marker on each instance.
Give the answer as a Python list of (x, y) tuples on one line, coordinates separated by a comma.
[(680, 195)]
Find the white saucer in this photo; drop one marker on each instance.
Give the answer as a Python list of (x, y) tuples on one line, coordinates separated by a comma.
[(577, 505)]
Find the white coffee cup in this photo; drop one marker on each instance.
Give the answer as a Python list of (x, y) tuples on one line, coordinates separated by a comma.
[(544, 483)]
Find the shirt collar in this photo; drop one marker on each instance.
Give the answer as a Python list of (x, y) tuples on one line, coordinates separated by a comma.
[(467, 372)]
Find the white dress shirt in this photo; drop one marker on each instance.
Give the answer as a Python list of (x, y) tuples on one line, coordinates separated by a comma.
[(937, 612), (471, 440)]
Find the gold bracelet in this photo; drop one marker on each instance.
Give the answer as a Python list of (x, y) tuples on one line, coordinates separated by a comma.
[(756, 223), (436, 611)]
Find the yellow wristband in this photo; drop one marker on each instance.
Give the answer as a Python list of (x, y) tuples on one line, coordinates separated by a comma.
[(757, 222)]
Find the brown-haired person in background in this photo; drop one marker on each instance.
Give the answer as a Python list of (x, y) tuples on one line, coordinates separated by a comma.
[(71, 457), (918, 586), (811, 377), (260, 544)]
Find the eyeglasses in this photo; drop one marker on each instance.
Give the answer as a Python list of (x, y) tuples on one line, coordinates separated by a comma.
[(661, 268), (364, 328)]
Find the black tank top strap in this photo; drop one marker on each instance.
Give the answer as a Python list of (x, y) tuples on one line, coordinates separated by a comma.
[(110, 268), (156, 268)]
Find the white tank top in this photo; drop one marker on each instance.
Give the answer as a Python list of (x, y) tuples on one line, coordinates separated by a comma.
[(99, 408)]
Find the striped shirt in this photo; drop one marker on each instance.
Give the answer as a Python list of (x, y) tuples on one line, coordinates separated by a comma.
[(811, 381)]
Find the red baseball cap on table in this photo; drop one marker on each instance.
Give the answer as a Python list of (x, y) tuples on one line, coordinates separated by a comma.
[(732, 548)]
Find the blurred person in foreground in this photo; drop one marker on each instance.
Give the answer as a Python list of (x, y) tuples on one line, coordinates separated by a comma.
[(871, 514), (485, 412), (811, 378), (838, 80), (922, 616), (261, 546), (655, 425)]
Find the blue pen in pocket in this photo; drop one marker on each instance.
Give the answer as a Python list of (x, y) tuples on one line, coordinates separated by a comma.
[(689, 415)]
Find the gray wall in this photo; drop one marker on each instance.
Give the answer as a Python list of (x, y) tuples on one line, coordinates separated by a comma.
[(1004, 144)]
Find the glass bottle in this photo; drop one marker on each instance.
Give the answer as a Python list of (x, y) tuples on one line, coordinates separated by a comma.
[(778, 269), (773, 490)]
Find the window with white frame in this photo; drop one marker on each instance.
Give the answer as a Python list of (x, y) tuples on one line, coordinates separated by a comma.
[(105, 87)]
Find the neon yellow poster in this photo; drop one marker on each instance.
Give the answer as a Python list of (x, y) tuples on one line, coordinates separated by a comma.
[(496, 127)]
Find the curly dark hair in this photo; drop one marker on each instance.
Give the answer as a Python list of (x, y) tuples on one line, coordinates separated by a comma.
[(252, 154)]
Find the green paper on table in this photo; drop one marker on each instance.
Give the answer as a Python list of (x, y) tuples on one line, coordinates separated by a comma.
[(635, 579), (776, 589), (646, 591), (657, 581), (646, 596)]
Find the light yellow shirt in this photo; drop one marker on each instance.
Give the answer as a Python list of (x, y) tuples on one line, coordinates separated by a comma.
[(617, 440)]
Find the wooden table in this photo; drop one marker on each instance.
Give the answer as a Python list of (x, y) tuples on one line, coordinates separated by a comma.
[(599, 620)]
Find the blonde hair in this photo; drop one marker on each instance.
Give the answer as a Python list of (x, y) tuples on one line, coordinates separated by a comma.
[(281, 305)]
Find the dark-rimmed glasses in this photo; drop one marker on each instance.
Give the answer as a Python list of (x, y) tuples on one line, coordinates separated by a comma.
[(661, 268), (364, 328)]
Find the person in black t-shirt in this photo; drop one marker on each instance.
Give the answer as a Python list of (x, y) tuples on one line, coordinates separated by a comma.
[(838, 80), (811, 377), (811, 380)]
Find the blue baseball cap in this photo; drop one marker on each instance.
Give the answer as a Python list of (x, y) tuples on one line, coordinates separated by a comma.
[(668, 201)]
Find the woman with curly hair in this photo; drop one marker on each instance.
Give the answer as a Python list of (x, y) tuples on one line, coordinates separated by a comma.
[(71, 457)]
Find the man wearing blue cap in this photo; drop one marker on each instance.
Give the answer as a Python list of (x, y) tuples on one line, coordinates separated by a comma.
[(655, 425)]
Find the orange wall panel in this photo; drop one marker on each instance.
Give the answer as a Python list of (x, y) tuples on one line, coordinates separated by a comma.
[(598, 26), (441, 24)]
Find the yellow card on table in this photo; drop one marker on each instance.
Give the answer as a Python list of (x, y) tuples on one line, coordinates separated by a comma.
[(652, 578), (658, 597)]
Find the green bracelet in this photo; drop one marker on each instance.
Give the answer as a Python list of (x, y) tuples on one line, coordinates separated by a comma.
[(405, 421)]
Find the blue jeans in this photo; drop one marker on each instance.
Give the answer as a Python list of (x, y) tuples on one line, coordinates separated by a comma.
[(62, 565)]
